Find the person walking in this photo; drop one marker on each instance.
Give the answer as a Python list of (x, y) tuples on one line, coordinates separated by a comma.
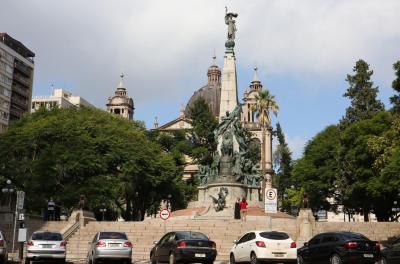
[(50, 209), (243, 209), (237, 209)]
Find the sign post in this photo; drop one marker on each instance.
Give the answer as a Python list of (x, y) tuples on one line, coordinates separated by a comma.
[(19, 205), (164, 215), (271, 200)]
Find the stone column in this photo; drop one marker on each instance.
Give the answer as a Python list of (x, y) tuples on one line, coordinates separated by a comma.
[(306, 225), (229, 96)]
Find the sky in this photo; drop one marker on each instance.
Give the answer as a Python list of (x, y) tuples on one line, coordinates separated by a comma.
[(303, 50)]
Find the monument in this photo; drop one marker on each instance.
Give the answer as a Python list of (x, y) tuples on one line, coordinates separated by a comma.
[(232, 174)]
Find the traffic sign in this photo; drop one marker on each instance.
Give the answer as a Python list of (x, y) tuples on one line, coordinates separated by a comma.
[(271, 200), (165, 214)]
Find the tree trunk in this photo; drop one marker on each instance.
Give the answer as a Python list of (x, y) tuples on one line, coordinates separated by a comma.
[(366, 213)]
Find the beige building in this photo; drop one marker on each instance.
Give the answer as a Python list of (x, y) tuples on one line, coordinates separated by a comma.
[(16, 80), (60, 98), (120, 103)]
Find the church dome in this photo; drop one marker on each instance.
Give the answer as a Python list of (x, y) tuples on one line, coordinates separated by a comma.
[(211, 92)]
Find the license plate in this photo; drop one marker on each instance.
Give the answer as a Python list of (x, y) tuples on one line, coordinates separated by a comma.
[(114, 245), (368, 255), (279, 255), (197, 255), (47, 246)]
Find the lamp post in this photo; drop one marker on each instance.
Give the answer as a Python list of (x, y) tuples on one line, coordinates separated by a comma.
[(8, 189), (169, 202), (103, 210)]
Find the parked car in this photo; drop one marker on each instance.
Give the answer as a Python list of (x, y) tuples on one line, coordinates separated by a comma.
[(110, 246), (391, 253), (3, 249), (264, 246), (339, 247), (46, 246), (183, 246)]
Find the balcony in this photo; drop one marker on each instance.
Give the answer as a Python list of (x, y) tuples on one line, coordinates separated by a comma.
[(21, 79), (20, 90), (23, 68), (19, 102)]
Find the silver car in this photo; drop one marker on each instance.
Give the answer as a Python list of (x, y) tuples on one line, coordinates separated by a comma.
[(3, 249), (110, 246), (48, 246)]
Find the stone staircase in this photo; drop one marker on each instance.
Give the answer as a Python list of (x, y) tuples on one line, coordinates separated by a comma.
[(143, 234)]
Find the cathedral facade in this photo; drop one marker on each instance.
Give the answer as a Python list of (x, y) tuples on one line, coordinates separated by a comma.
[(121, 104), (211, 92)]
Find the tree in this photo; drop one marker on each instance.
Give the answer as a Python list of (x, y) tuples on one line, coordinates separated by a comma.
[(395, 99), (265, 102), (357, 181), (283, 160), (386, 151), (63, 153), (204, 123), (316, 172), (362, 94)]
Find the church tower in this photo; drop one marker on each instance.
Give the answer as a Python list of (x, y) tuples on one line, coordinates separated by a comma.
[(261, 136), (120, 103)]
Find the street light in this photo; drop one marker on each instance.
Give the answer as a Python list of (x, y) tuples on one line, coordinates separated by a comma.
[(169, 202), (103, 210), (8, 189)]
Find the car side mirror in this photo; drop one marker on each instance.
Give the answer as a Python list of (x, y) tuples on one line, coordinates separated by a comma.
[(235, 241), (306, 244)]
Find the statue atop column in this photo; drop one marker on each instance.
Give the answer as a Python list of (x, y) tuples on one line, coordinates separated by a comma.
[(229, 20)]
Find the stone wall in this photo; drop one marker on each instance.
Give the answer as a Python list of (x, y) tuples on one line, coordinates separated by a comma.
[(379, 231)]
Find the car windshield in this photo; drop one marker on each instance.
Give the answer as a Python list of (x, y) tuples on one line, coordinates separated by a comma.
[(112, 235), (274, 235), (353, 236), (191, 235), (48, 236)]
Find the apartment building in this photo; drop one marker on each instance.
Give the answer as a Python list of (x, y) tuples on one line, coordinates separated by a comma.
[(16, 80), (60, 98)]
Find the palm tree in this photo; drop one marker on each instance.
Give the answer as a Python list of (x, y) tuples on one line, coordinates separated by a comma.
[(265, 102)]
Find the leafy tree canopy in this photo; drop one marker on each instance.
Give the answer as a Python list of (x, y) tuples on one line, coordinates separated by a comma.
[(64, 153), (395, 99)]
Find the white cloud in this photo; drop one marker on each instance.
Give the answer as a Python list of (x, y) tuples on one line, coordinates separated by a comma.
[(296, 146), (164, 47)]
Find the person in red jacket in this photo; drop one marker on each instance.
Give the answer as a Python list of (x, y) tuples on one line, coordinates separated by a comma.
[(243, 209)]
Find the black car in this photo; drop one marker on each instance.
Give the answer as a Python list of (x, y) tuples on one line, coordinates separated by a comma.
[(338, 248), (391, 252), (184, 246)]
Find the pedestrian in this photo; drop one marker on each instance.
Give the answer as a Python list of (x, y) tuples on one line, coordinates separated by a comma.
[(243, 209), (237, 209), (50, 209), (81, 202)]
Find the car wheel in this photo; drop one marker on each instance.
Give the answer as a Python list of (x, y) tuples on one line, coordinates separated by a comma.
[(152, 260), (172, 259), (335, 259), (253, 258), (381, 261), (232, 259), (300, 260)]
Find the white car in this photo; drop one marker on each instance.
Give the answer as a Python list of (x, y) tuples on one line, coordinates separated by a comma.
[(264, 246)]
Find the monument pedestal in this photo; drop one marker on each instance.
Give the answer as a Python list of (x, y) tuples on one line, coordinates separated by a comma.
[(306, 224), (235, 190)]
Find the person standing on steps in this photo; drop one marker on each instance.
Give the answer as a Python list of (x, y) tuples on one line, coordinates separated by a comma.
[(237, 209), (243, 209), (50, 209)]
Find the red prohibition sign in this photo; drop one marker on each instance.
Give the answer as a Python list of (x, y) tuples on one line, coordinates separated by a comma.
[(165, 214)]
